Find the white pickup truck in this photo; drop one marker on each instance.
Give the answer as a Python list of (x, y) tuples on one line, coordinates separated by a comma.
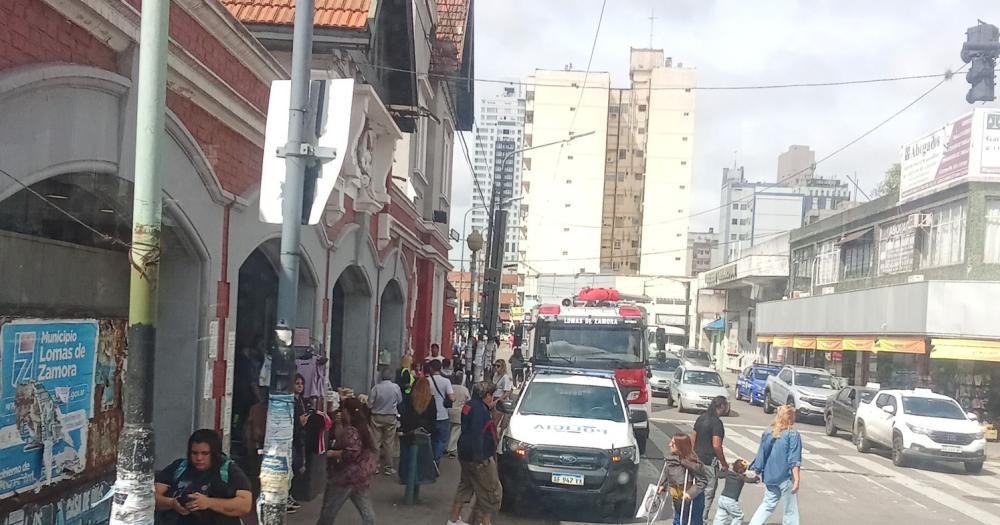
[(806, 389), (920, 424)]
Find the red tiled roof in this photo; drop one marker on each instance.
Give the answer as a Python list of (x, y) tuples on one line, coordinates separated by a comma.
[(338, 14), (453, 17)]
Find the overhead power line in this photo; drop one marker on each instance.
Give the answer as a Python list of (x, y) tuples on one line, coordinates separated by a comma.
[(829, 156)]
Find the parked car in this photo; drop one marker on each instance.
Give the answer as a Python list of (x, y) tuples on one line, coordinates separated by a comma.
[(570, 436), (751, 382), (920, 424), (662, 368), (693, 357), (806, 389), (843, 407), (694, 387)]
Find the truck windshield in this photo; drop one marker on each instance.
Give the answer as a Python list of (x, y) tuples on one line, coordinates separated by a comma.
[(698, 355), (761, 374), (931, 407), (814, 380), (577, 401), (667, 365), (697, 377), (576, 344)]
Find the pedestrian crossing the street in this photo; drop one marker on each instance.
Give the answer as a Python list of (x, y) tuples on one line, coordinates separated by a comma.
[(835, 472)]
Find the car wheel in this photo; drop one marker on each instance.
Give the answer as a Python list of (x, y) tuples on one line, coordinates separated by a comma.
[(973, 467), (680, 405), (831, 429), (861, 439), (898, 457), (670, 400), (768, 407)]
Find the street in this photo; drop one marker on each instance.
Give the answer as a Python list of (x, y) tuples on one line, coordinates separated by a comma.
[(839, 485)]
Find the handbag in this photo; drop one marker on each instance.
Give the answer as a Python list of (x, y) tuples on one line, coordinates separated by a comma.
[(447, 401)]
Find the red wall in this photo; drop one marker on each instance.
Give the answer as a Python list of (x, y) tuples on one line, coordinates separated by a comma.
[(33, 33)]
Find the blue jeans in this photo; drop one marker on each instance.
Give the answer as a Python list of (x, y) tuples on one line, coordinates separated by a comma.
[(773, 495), (442, 430), (729, 513), (693, 510)]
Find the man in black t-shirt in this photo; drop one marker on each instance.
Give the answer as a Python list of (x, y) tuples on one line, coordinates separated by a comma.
[(708, 435), (206, 488)]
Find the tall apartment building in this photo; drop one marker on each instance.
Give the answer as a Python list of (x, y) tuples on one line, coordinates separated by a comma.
[(796, 166), (586, 205), (699, 252), (752, 211), (499, 132)]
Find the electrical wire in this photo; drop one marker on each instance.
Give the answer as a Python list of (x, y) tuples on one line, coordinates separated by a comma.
[(799, 172), (109, 238), (747, 87)]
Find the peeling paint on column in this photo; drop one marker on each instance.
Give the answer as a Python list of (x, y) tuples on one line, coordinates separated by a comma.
[(275, 467), (132, 500)]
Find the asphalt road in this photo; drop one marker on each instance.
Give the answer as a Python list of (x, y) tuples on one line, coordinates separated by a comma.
[(839, 485)]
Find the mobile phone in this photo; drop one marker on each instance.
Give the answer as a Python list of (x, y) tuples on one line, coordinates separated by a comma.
[(183, 498)]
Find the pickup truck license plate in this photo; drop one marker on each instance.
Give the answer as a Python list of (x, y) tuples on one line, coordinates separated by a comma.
[(951, 449), (568, 479)]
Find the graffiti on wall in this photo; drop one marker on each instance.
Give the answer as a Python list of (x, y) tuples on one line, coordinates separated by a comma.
[(82, 507)]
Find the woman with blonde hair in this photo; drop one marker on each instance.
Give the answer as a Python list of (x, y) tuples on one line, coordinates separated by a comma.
[(778, 461), (419, 410)]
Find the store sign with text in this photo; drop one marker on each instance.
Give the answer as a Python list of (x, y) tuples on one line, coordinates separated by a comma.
[(721, 275)]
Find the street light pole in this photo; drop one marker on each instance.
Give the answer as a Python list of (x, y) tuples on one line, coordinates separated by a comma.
[(133, 502), (494, 250)]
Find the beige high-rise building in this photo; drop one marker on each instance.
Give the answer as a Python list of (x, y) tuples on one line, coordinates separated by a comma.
[(624, 211), (796, 166)]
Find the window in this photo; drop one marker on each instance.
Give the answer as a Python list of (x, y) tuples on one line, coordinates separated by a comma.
[(944, 240), (617, 245), (736, 206), (685, 139), (642, 108), (684, 163), (567, 205), (992, 241), (744, 207), (688, 90), (569, 157), (895, 248), (569, 181), (572, 108), (565, 229), (857, 257), (735, 222), (683, 187), (642, 131), (744, 237), (786, 376), (638, 153), (677, 258), (565, 253), (638, 176), (744, 222), (686, 114), (827, 263), (635, 244), (622, 154)]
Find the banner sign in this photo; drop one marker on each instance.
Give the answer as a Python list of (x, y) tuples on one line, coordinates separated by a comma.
[(964, 149), (47, 371)]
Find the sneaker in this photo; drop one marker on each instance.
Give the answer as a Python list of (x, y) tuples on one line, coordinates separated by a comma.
[(389, 471), (292, 504), (291, 510), (458, 522)]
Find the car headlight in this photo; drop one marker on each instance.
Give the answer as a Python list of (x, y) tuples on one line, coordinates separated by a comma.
[(812, 400), (519, 448), (918, 429), (980, 434), (621, 454)]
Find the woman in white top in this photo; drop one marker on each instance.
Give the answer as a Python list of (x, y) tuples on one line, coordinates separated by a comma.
[(504, 384)]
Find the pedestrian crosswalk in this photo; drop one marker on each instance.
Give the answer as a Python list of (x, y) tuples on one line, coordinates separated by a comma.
[(838, 473)]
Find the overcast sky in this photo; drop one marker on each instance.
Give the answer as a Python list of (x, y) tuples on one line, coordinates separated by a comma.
[(751, 43)]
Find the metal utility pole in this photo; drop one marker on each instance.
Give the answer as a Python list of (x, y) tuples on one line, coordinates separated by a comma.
[(300, 153), (133, 502)]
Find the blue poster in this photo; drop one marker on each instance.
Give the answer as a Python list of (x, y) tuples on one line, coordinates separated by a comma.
[(47, 369)]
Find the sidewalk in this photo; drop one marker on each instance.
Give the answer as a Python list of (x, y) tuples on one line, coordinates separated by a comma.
[(432, 507)]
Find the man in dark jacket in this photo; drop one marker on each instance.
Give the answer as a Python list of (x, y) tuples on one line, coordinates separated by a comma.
[(477, 449)]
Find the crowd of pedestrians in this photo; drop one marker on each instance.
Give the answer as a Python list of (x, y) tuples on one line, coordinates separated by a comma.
[(696, 464)]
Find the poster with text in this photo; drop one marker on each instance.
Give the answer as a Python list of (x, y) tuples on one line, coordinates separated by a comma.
[(47, 371)]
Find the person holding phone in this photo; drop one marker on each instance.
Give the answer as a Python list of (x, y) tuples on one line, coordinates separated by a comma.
[(205, 488)]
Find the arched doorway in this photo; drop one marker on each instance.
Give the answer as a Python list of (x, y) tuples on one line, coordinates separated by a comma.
[(390, 323), (350, 320), (64, 254)]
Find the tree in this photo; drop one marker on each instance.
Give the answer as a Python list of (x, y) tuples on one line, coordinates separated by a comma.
[(890, 183)]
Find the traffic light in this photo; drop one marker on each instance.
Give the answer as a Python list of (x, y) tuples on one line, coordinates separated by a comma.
[(981, 48)]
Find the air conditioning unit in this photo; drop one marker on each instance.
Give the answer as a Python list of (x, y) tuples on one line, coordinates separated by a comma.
[(918, 220)]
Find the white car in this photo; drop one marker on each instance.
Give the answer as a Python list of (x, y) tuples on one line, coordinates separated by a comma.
[(570, 437), (694, 387), (920, 424), (807, 389)]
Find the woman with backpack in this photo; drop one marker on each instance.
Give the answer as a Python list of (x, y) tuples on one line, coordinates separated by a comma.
[(778, 461), (684, 477), (351, 463)]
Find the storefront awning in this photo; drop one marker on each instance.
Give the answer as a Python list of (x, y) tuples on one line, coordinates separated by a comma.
[(829, 344), (901, 345), (765, 338), (718, 324), (807, 343), (858, 344), (784, 340), (965, 349), (854, 236)]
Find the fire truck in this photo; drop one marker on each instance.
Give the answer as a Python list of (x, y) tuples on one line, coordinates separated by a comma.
[(596, 329)]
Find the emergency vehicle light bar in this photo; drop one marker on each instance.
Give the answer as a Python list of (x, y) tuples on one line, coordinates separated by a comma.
[(552, 369)]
